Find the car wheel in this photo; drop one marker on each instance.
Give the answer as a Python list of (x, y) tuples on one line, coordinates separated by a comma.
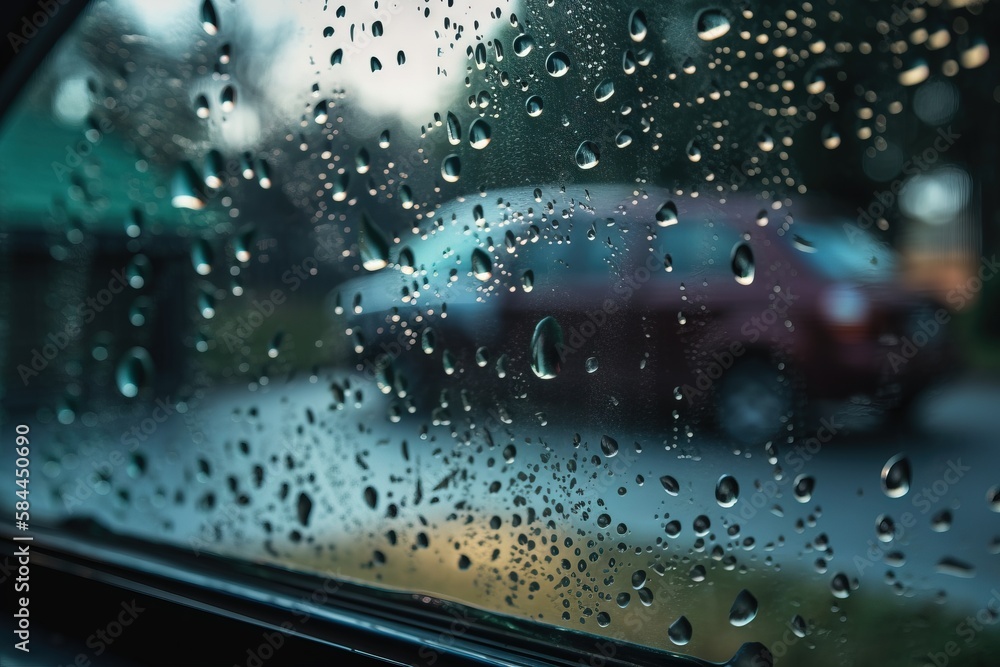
[(753, 401)]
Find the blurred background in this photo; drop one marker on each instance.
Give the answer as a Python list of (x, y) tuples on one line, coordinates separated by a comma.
[(596, 315)]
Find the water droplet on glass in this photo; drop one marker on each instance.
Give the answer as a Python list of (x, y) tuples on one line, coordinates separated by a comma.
[(482, 265), (451, 168), (885, 528), (201, 108), (587, 155), (742, 264), (896, 476), (954, 567), (591, 364), (185, 189), (680, 631), (803, 488), (628, 62), (993, 498), (941, 521), (604, 90), (321, 113), (376, 64), (209, 18), (528, 280), (373, 246), (667, 214), (533, 105), (546, 355), (557, 64), (727, 491), (694, 151), (712, 24), (623, 139), (916, 73), (523, 44), (454, 129), (744, 609), (830, 137), (670, 485), (765, 141), (201, 257), (609, 446), (227, 99), (134, 372), (637, 26), (480, 134), (840, 586)]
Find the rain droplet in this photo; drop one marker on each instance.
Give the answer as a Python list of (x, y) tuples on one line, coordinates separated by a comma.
[(955, 568), (482, 265), (628, 62), (371, 497), (941, 521), (993, 498), (201, 107), (480, 134), (680, 631), (694, 151), (406, 261), (454, 129), (604, 90), (638, 579), (523, 44), (227, 99), (534, 105), (712, 24), (373, 247), (185, 189), (885, 528), (134, 372), (321, 113), (451, 168), (528, 280), (376, 64), (201, 257), (546, 355), (557, 64), (637, 27), (304, 508), (609, 446), (588, 155), (915, 73), (667, 214), (670, 485), (209, 18), (744, 609), (830, 137), (803, 488), (840, 586), (623, 139), (765, 141), (896, 476), (742, 264), (591, 364), (727, 491)]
